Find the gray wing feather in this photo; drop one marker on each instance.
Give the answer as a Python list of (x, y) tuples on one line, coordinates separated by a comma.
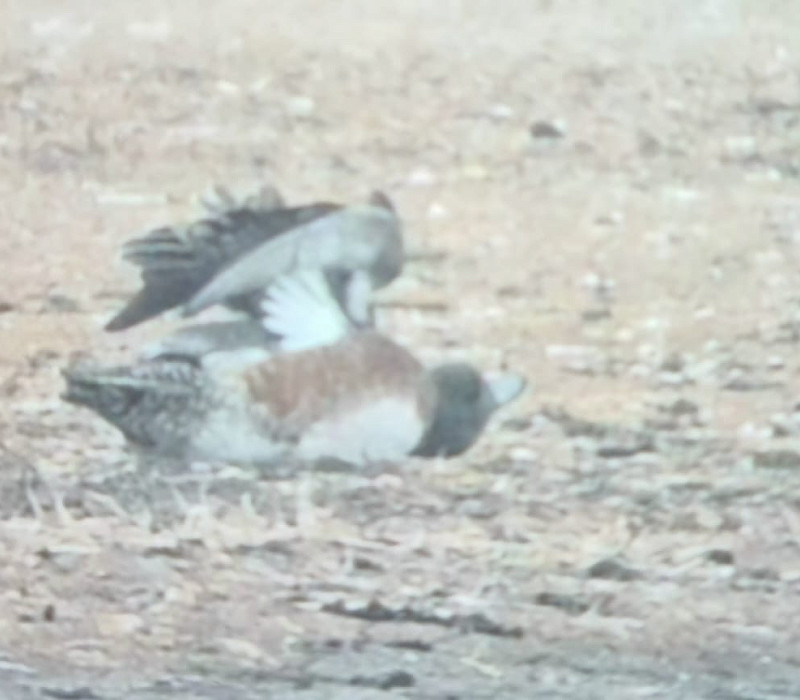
[(355, 238), (177, 262), (196, 341)]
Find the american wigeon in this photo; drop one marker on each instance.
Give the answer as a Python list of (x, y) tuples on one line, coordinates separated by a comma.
[(327, 389), (233, 255)]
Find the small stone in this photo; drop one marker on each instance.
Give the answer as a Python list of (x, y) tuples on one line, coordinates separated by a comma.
[(649, 145), (69, 692), (509, 291), (543, 129), (477, 508), (681, 194), (421, 177), (67, 562), (613, 218), (790, 576), (597, 314), (118, 624), (226, 87), (571, 604), (500, 112), (776, 362), (613, 569), (707, 519), (396, 679), (301, 107), (777, 459), (86, 657), (680, 408), (61, 303), (523, 454), (580, 359), (239, 648), (740, 146), (673, 363), (436, 212), (621, 443), (475, 172), (723, 557), (764, 573), (65, 559), (704, 312), (517, 425), (181, 595), (782, 425)]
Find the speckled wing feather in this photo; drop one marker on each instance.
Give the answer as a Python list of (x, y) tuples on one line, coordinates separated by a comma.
[(156, 405)]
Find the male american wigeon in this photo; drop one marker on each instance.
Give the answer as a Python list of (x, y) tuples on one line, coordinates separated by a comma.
[(232, 255), (326, 389)]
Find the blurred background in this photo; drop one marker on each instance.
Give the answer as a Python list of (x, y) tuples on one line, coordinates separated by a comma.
[(609, 194)]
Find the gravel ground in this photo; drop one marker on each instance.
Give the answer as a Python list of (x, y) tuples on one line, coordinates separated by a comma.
[(604, 196)]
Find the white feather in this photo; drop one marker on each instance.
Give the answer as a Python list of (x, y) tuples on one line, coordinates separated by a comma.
[(300, 308)]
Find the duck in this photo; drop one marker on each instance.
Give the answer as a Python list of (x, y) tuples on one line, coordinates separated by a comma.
[(323, 389), (230, 256)]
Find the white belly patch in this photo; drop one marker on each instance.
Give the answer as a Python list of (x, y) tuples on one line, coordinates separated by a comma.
[(384, 431)]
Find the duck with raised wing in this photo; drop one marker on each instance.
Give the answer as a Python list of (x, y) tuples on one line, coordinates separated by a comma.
[(327, 389), (231, 256)]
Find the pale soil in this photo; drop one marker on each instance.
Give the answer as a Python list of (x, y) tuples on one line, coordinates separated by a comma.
[(648, 253)]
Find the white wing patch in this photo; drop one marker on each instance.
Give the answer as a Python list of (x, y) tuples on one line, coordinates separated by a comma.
[(301, 310)]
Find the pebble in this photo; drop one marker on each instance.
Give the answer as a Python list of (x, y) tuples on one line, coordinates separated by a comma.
[(777, 459), (720, 556), (500, 112), (475, 172), (422, 177), (613, 569), (118, 624), (61, 303), (226, 87), (301, 107), (545, 129), (437, 211), (240, 648)]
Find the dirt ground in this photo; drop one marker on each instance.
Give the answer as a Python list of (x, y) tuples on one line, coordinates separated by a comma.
[(612, 193)]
